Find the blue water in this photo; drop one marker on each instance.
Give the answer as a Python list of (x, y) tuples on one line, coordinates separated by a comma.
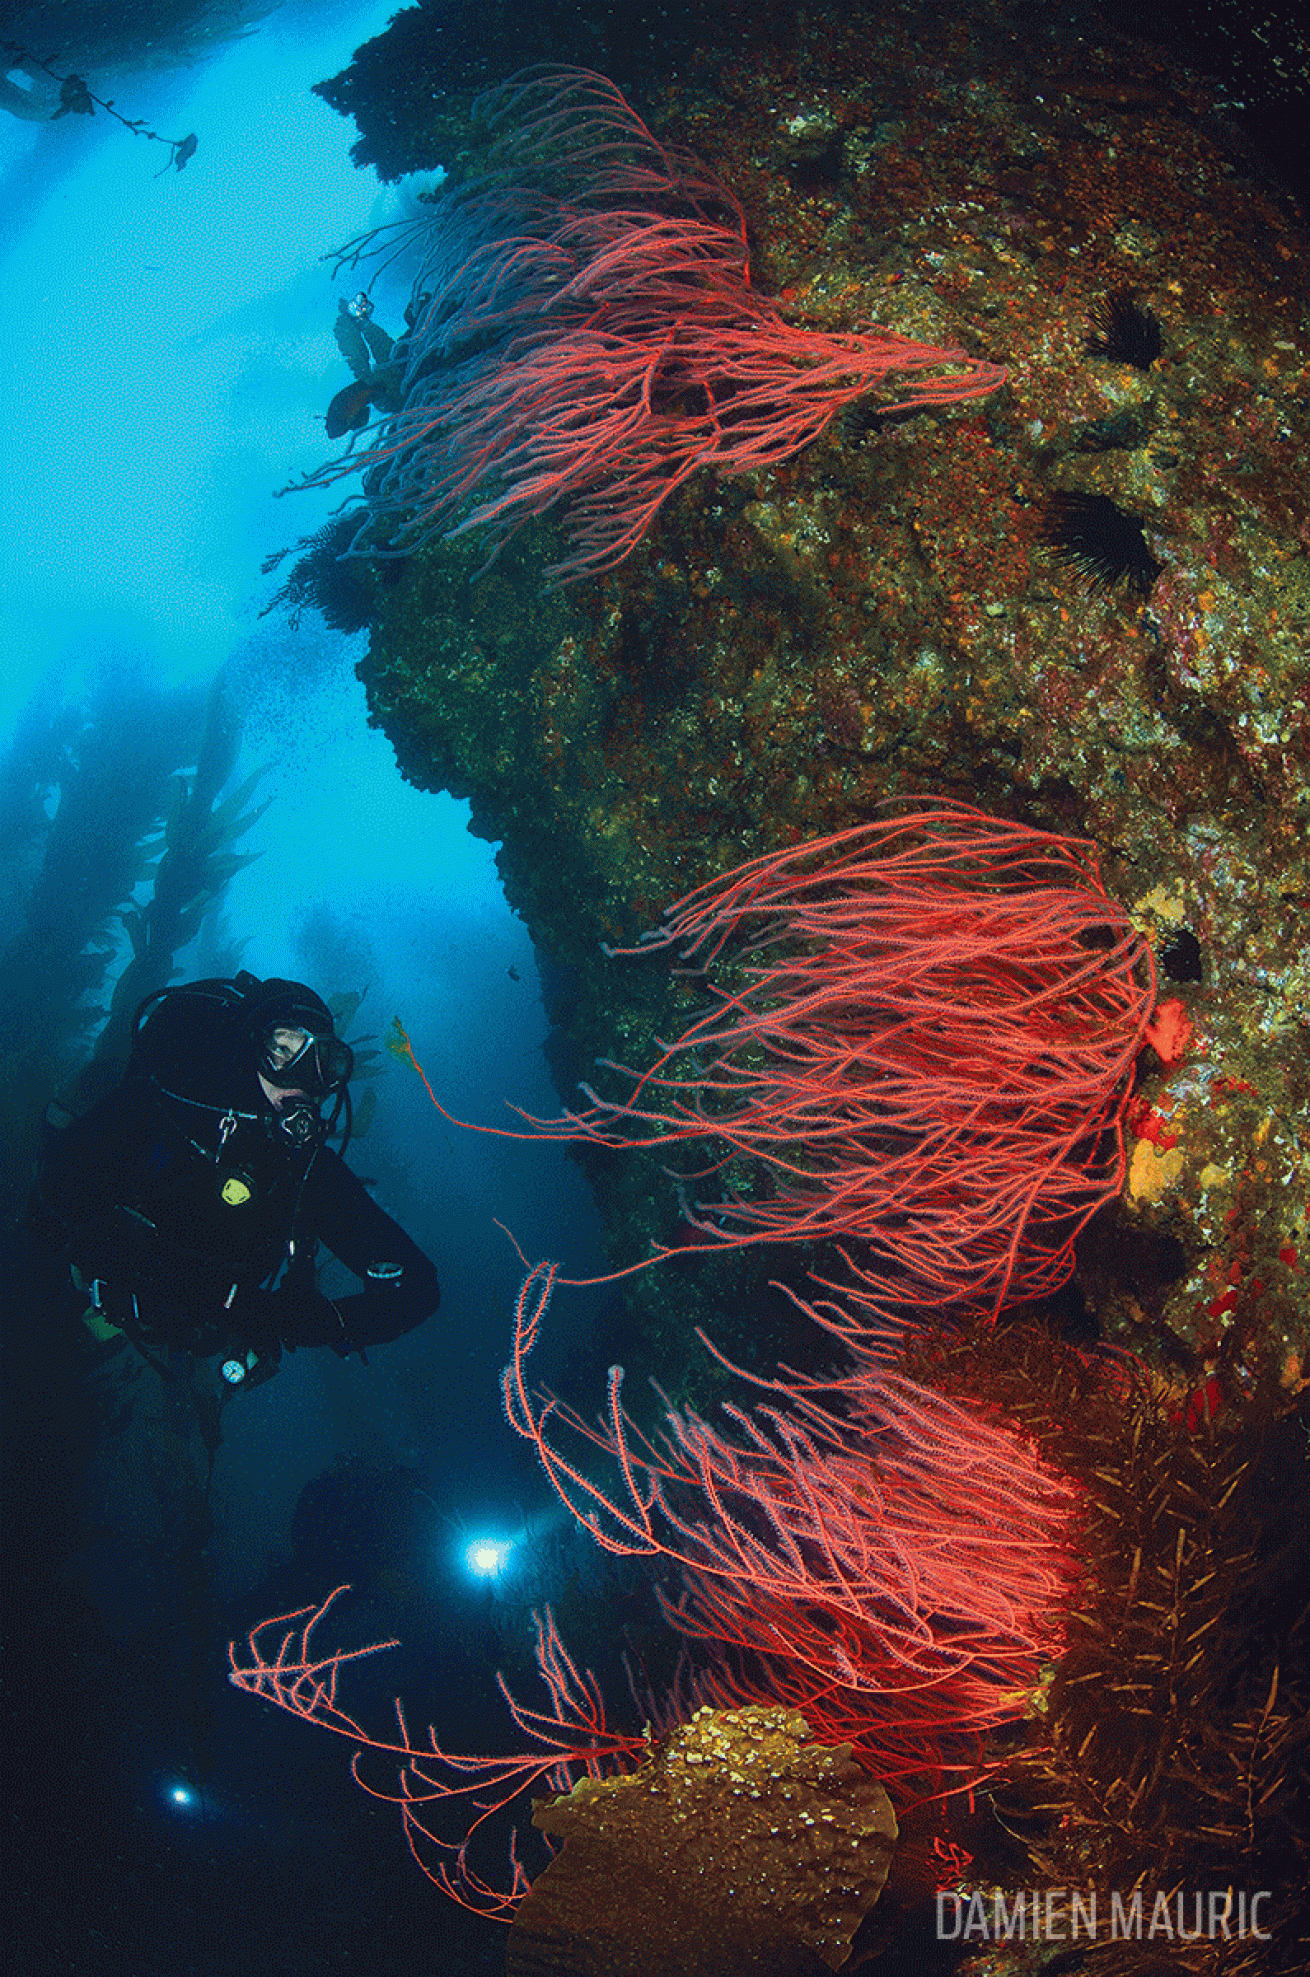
[(169, 357)]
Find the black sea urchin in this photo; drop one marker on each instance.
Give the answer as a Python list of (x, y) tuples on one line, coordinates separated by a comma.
[(1106, 546), (1125, 331)]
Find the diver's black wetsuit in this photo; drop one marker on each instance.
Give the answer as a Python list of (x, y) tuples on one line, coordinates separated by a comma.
[(185, 1200)]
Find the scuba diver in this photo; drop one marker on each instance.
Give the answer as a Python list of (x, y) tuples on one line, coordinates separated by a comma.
[(180, 150), (190, 1201)]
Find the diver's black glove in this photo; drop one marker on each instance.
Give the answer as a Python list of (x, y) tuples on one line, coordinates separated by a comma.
[(347, 1324), (372, 1318), (306, 1317)]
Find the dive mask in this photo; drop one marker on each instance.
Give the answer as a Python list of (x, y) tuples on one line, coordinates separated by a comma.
[(299, 1052)]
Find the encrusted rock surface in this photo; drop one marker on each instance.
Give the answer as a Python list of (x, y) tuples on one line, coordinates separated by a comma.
[(882, 614)]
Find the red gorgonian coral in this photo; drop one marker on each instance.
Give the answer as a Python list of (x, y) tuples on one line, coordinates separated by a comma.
[(569, 1739), (919, 1046), (890, 1562), (586, 335)]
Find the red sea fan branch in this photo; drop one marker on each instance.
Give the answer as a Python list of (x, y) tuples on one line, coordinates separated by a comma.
[(893, 1561), (923, 1040), (586, 336), (890, 1562), (571, 1738)]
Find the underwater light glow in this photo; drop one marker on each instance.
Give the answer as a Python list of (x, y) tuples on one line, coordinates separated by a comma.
[(182, 1797), (486, 1558)]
